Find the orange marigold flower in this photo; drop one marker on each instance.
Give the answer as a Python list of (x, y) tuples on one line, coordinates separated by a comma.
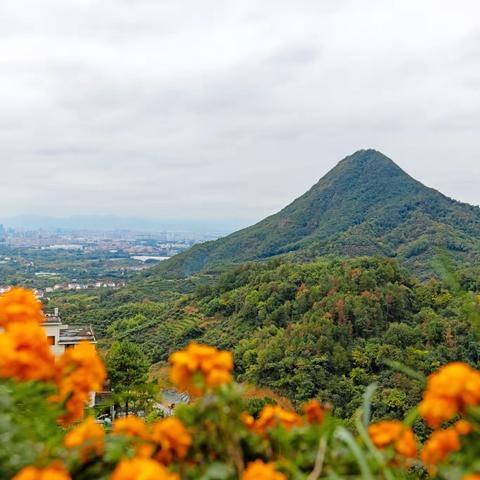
[(88, 437), (443, 442), (393, 432), (132, 426), (449, 391), (142, 469), (144, 450), (247, 419), (463, 427), (172, 438), (436, 409), (74, 407), (81, 368), (259, 470), (199, 367), (273, 415), (314, 411), (79, 372), (437, 448), (25, 354), (472, 476), (54, 472), (385, 433), (406, 444), (19, 305)]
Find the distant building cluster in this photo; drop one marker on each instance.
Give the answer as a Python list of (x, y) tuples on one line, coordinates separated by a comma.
[(39, 293), (84, 286), (124, 242)]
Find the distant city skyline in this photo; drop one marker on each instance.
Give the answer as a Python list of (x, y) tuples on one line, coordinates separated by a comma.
[(226, 111), (216, 227)]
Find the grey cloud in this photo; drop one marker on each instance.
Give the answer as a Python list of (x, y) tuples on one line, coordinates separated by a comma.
[(465, 121), (227, 109), (295, 55), (67, 151), (238, 88)]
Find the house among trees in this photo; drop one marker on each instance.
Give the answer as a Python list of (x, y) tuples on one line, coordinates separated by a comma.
[(62, 337)]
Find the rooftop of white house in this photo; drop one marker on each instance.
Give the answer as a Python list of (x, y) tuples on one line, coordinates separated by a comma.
[(65, 336)]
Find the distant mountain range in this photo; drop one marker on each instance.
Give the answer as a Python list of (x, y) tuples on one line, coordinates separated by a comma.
[(366, 205)]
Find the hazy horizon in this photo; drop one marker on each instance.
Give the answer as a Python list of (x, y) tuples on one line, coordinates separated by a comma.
[(228, 110), (220, 226), (115, 222)]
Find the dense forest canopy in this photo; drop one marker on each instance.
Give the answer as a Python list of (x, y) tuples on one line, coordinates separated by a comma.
[(325, 329), (310, 316)]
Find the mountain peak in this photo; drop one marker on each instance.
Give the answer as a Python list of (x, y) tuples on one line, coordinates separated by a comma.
[(365, 153), (368, 171), (366, 205), (369, 158)]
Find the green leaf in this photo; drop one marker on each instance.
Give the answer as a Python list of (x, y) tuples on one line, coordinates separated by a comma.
[(344, 435), (367, 403), (399, 367)]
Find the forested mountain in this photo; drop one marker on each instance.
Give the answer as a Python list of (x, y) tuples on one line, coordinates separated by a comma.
[(366, 205), (325, 328), (310, 322)]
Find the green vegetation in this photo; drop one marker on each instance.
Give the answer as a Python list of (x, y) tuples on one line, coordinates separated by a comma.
[(57, 266), (366, 205), (323, 329), (127, 368), (311, 317), (25, 424)]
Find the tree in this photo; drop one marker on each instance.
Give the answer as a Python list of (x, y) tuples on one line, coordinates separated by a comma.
[(127, 368)]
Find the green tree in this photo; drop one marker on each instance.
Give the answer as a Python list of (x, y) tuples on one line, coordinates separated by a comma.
[(127, 367)]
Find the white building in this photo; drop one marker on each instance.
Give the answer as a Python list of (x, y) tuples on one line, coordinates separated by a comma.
[(61, 337)]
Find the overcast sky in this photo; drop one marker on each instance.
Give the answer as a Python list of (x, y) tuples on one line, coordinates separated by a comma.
[(229, 109)]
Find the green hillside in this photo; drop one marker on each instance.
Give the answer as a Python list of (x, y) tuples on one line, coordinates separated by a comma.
[(325, 328), (366, 205), (306, 325)]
